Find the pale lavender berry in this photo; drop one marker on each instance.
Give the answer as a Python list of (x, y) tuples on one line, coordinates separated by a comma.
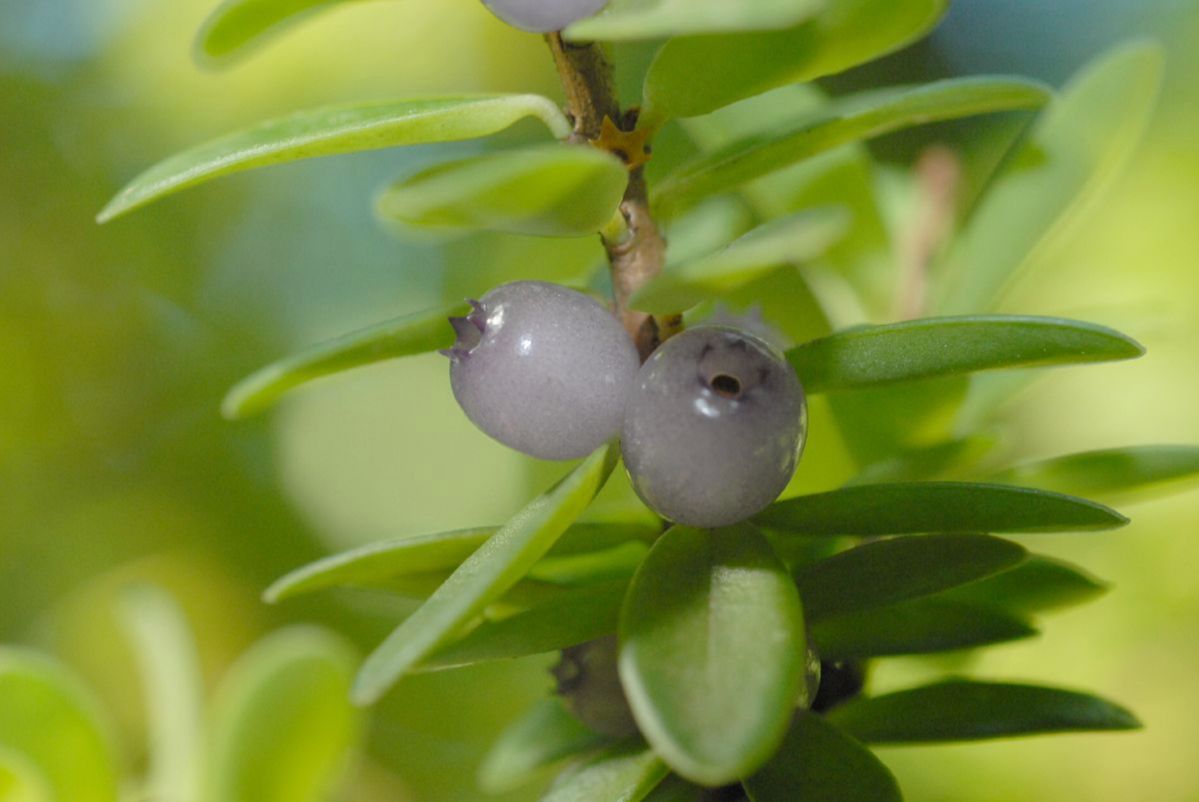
[(543, 369), (714, 427), (543, 16)]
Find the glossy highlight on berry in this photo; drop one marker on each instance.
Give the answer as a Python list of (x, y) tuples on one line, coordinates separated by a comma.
[(543, 16)]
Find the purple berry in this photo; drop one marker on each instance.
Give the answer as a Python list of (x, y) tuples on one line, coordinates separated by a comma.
[(713, 427), (543, 16), (543, 369)]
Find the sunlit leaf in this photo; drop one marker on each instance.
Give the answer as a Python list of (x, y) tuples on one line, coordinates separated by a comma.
[(918, 626), (20, 780), (625, 773), (420, 554), (548, 191), (659, 19), (932, 507), (932, 347), (333, 130), (238, 26), (541, 737), (1114, 471), (959, 710), (1073, 152), (1037, 585), (50, 720), (283, 726), (787, 240), (887, 571), (819, 763), (174, 693), (695, 75), (711, 646), (483, 577), (850, 119)]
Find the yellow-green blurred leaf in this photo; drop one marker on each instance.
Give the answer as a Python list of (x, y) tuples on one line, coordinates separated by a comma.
[(238, 26), (541, 737), (654, 19), (625, 773), (1108, 472)]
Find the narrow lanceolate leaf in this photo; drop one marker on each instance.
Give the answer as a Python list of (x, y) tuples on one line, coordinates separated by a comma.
[(334, 130), (660, 19), (932, 507), (484, 577), (1037, 585), (1110, 472), (851, 119), (625, 773), (549, 191), (888, 571), (819, 763), (424, 554), (696, 75), (238, 26), (170, 675), (918, 626), (52, 723), (417, 333), (711, 643), (929, 348), (959, 710), (788, 240), (283, 727), (581, 615), (1076, 148), (541, 737)]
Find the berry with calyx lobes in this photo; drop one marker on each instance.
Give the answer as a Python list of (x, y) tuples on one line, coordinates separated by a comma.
[(713, 427), (543, 369), (543, 16)]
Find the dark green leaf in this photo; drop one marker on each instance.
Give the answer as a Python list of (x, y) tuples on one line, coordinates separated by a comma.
[(819, 763), (238, 26), (1076, 148), (958, 710), (618, 562), (1114, 471), (659, 19), (541, 737), (696, 75), (888, 571), (1037, 585), (850, 119), (788, 240), (711, 651), (918, 626), (624, 773), (932, 347), (485, 576), (931, 507), (333, 130), (548, 191)]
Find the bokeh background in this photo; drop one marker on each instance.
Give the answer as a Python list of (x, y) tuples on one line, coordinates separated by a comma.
[(117, 344)]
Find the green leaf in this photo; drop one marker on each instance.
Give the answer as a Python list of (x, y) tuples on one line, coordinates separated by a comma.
[(1075, 149), (283, 728), (819, 763), (918, 626), (541, 737), (929, 348), (888, 571), (334, 130), (795, 238), (238, 26), (618, 562), (174, 691), (928, 462), (408, 335), (959, 710), (50, 719), (483, 577), (1114, 471), (696, 75), (548, 191), (583, 614), (624, 773), (20, 780), (711, 651), (850, 119), (422, 554), (660, 19), (1035, 586), (932, 507)]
